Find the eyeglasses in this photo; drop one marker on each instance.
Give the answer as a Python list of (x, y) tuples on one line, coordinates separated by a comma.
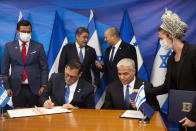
[(72, 77)]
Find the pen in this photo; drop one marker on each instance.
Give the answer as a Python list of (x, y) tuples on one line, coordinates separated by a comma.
[(49, 98)]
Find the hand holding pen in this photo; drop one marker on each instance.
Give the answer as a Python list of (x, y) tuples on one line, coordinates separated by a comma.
[(48, 103)]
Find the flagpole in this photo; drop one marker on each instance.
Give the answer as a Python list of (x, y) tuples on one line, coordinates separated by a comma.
[(144, 120), (2, 116)]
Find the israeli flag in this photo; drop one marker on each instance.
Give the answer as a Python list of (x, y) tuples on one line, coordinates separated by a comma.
[(58, 40), (158, 74), (4, 98), (94, 42), (20, 17), (127, 35), (140, 98)]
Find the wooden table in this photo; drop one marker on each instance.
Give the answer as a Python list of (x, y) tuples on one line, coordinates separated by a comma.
[(82, 120)]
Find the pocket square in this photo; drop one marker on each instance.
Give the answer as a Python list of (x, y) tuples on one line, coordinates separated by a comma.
[(33, 52)]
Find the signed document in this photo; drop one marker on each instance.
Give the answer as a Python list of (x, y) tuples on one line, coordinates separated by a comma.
[(36, 111), (132, 114)]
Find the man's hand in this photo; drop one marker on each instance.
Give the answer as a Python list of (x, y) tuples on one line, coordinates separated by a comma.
[(186, 122), (98, 65), (48, 104), (40, 91), (68, 106), (95, 88), (135, 90), (9, 92), (132, 103)]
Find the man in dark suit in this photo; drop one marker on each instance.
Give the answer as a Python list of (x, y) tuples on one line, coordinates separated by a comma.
[(113, 54), (118, 91), (81, 51), (68, 90), (29, 68)]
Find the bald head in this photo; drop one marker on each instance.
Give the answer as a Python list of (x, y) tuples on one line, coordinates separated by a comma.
[(112, 36), (113, 32)]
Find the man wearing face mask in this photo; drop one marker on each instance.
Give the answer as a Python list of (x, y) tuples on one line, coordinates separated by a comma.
[(29, 69)]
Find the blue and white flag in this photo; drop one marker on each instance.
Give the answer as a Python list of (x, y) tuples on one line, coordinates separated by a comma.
[(140, 98), (158, 74), (94, 42), (127, 35), (4, 98), (140, 101), (20, 17), (57, 41)]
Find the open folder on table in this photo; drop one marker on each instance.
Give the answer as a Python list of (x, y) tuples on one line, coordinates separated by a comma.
[(36, 111), (132, 114)]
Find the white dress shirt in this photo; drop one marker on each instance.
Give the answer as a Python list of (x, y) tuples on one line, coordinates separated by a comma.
[(116, 48), (131, 86), (72, 90), (78, 49)]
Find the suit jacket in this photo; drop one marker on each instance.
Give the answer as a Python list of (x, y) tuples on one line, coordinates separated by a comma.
[(125, 50), (83, 96), (114, 98), (186, 75), (36, 66), (69, 52)]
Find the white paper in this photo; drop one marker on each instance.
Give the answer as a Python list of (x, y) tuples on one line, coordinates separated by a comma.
[(54, 110), (21, 113), (36, 111), (132, 114)]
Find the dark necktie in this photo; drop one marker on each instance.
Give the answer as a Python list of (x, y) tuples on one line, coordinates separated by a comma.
[(127, 103), (81, 55), (67, 92), (112, 55), (23, 52)]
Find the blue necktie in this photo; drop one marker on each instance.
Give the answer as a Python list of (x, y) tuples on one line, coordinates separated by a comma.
[(81, 55), (112, 55), (67, 92), (127, 103)]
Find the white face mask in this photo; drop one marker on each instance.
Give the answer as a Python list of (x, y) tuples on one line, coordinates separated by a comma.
[(25, 37), (165, 45)]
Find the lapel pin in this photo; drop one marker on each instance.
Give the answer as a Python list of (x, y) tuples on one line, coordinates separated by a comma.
[(78, 90)]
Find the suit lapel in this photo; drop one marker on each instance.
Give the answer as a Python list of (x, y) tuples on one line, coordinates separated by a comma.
[(121, 95), (61, 90), (86, 53), (76, 52), (137, 84), (108, 54), (18, 52), (118, 52), (77, 92), (30, 50)]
